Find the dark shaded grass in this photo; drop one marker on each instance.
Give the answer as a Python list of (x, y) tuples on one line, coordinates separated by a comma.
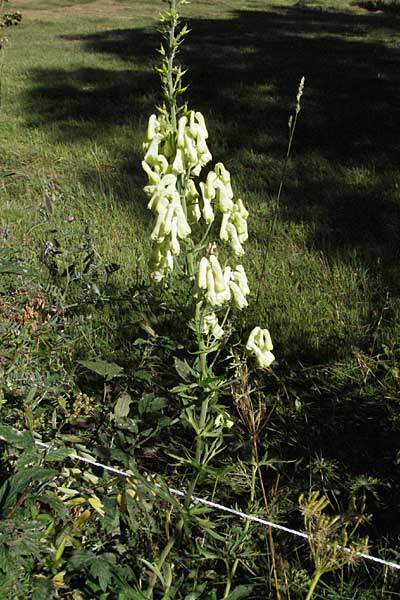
[(391, 7), (243, 75)]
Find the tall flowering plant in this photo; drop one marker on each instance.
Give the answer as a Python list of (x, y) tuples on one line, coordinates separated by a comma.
[(197, 221), (195, 217)]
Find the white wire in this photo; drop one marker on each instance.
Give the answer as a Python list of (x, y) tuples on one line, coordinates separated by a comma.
[(220, 507)]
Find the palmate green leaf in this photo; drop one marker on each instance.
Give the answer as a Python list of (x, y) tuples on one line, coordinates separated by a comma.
[(42, 589), (109, 370), (80, 559), (101, 569)]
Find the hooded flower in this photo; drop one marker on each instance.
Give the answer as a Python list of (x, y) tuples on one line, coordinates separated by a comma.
[(213, 281), (234, 227), (212, 327), (239, 287), (260, 345)]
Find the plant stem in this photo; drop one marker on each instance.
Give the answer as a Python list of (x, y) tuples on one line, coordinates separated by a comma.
[(163, 556), (246, 529), (278, 200), (316, 578), (171, 57), (199, 451), (270, 535)]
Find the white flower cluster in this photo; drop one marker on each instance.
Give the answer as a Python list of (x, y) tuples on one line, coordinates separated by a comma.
[(171, 159), (217, 190), (166, 158), (220, 286), (260, 345)]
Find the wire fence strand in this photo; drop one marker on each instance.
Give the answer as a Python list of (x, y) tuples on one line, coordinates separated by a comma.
[(217, 506)]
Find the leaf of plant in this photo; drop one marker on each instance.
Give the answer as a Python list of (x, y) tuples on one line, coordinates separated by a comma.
[(96, 504), (18, 439), (42, 589), (12, 268), (109, 370), (57, 454), (101, 569), (80, 559), (197, 593), (18, 482), (149, 404), (121, 408), (184, 370), (142, 375), (154, 569), (241, 591)]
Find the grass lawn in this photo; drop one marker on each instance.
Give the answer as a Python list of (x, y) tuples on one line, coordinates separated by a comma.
[(77, 87)]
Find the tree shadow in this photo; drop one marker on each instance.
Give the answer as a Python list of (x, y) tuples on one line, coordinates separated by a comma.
[(243, 75), (391, 7)]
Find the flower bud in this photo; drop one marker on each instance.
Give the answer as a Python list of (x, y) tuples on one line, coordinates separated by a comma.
[(207, 210), (153, 176), (240, 208), (153, 127), (202, 275), (152, 151), (223, 233), (211, 294), (181, 132), (234, 240), (241, 227), (158, 233), (220, 284), (183, 226), (240, 278), (209, 188), (190, 151), (174, 245), (192, 202), (202, 124), (224, 175), (223, 199)]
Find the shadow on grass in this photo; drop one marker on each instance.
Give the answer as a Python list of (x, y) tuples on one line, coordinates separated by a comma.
[(243, 75), (391, 7)]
